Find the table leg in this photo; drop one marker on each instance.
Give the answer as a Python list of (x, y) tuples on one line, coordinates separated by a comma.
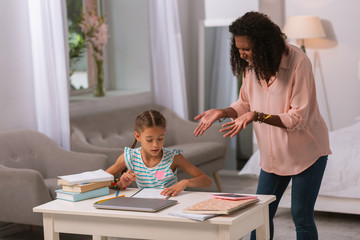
[(263, 231), (49, 233), (224, 233)]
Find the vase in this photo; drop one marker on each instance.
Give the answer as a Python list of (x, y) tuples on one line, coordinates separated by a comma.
[(99, 85)]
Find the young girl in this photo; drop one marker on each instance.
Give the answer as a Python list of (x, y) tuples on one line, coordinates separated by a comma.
[(153, 166)]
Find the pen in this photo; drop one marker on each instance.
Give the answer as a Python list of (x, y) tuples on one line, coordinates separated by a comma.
[(117, 193), (100, 201), (137, 192)]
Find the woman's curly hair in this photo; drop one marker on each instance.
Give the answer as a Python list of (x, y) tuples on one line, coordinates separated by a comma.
[(268, 45)]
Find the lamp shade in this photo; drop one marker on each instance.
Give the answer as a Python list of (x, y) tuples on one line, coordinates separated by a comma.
[(303, 27)]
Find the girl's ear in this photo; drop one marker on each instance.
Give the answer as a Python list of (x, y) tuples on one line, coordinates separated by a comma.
[(137, 136)]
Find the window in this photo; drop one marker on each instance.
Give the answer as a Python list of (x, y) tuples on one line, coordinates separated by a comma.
[(81, 62), (127, 66)]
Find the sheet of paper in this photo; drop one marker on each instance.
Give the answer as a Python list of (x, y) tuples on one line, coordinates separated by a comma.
[(86, 177), (196, 217), (149, 193)]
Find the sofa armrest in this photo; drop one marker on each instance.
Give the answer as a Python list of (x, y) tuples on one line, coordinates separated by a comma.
[(21, 190)]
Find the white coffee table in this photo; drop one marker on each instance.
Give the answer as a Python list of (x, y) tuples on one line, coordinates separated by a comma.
[(61, 216)]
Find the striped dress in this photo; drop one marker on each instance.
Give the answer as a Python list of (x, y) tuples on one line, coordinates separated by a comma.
[(159, 176)]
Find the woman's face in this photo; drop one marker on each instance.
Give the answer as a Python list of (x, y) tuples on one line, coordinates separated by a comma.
[(245, 46)]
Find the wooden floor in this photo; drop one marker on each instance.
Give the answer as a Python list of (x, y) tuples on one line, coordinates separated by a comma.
[(330, 226)]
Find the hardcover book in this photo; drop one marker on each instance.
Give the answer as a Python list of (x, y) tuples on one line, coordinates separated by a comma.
[(218, 206), (232, 196), (74, 197), (78, 188)]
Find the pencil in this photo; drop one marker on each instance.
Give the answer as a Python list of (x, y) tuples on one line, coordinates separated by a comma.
[(100, 201), (117, 193), (268, 116)]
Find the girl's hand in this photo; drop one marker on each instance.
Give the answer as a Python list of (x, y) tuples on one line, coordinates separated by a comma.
[(127, 178), (174, 189), (207, 118), (234, 127)]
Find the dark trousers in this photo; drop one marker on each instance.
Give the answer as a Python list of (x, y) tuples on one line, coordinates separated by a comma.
[(304, 191)]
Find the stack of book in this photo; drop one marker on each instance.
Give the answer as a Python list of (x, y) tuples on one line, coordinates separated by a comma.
[(84, 185), (219, 204)]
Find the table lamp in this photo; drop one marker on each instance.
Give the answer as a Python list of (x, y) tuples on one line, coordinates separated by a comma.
[(303, 27)]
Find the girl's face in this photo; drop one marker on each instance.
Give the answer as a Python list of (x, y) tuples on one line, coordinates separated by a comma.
[(151, 140), (245, 46)]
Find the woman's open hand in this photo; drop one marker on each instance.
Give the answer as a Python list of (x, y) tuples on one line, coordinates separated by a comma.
[(207, 118), (234, 127)]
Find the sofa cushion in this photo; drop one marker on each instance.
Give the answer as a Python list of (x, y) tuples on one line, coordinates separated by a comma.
[(201, 152), (112, 140)]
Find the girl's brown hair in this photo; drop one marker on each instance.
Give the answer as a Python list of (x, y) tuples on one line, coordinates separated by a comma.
[(151, 118)]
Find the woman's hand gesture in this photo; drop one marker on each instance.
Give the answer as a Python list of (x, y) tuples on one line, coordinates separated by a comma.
[(234, 127), (207, 118)]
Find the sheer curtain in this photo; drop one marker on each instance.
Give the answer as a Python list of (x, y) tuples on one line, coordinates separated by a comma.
[(34, 92), (168, 77), (46, 19), (223, 83)]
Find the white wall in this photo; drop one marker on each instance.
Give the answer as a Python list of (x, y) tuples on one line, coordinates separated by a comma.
[(274, 9), (128, 49), (228, 9), (340, 65)]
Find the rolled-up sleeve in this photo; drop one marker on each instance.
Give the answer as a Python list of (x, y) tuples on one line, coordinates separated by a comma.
[(301, 97)]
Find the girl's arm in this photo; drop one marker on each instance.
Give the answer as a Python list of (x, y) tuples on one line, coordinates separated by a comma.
[(199, 179), (117, 167)]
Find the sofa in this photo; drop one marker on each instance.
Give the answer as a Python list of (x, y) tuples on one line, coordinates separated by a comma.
[(109, 132), (30, 164)]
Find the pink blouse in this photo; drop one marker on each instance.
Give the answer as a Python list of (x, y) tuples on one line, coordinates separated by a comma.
[(291, 96)]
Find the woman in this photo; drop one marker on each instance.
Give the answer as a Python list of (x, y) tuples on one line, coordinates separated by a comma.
[(278, 94)]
